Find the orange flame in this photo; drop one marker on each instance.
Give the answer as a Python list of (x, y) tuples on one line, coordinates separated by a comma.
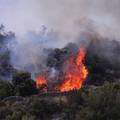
[(40, 81), (75, 73), (73, 77)]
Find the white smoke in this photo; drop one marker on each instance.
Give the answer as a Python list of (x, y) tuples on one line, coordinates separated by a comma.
[(68, 18), (30, 52), (62, 15)]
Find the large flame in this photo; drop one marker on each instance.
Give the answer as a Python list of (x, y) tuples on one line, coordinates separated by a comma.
[(74, 74)]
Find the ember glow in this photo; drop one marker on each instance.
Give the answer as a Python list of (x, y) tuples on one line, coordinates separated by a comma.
[(75, 73)]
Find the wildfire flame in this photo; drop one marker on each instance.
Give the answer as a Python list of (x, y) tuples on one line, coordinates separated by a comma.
[(73, 77), (40, 81), (75, 73)]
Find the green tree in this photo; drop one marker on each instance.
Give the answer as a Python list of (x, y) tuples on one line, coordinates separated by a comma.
[(23, 84), (6, 89)]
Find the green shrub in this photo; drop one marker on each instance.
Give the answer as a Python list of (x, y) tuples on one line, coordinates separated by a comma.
[(26, 117), (102, 103), (6, 89), (23, 84)]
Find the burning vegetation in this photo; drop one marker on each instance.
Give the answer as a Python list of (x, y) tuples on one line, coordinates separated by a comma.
[(41, 82), (92, 61), (71, 67), (73, 75)]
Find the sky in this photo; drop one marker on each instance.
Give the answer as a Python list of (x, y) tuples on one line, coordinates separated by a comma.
[(65, 16)]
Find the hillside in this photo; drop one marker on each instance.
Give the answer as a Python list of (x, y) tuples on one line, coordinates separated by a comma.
[(89, 103)]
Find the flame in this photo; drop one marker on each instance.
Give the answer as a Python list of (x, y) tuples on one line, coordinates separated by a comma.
[(41, 81), (74, 74)]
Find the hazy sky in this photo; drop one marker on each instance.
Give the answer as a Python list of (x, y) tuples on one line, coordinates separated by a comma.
[(63, 15)]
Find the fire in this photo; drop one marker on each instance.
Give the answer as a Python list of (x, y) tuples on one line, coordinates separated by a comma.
[(74, 74), (40, 81)]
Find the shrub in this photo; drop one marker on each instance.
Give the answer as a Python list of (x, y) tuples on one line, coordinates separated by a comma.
[(23, 84), (6, 89)]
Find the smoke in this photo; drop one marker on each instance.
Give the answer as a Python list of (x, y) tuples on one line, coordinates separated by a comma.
[(62, 15), (29, 53), (67, 20)]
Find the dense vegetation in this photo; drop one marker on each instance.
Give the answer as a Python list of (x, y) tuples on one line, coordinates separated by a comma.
[(89, 103), (21, 85), (6, 69)]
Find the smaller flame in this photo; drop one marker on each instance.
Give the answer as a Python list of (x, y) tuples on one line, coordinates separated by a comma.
[(40, 80)]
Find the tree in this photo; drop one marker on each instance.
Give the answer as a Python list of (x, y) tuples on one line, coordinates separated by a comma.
[(23, 84), (6, 89), (6, 69)]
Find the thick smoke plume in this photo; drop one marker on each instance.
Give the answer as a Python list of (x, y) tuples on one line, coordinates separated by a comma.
[(73, 21)]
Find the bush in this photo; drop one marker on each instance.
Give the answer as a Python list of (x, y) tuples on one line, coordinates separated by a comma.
[(102, 103), (6, 89), (24, 85), (28, 117), (43, 109)]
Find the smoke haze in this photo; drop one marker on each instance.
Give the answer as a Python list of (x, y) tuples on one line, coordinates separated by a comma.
[(62, 21), (61, 15)]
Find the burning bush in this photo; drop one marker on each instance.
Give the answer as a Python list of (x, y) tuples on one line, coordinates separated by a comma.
[(73, 74), (68, 66)]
